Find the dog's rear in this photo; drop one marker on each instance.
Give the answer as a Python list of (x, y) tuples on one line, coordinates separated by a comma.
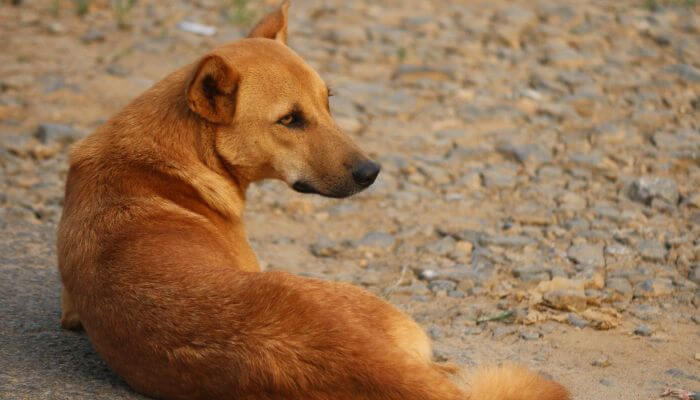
[(156, 265)]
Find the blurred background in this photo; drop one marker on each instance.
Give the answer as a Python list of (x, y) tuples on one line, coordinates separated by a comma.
[(540, 193)]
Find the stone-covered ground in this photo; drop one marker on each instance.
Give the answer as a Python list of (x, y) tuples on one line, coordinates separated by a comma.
[(540, 193)]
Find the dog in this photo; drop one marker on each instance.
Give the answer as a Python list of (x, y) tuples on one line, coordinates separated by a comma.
[(157, 269)]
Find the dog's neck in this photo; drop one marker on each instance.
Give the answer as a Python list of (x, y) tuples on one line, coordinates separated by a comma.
[(157, 131)]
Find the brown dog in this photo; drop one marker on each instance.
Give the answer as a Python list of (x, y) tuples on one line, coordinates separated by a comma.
[(157, 268)]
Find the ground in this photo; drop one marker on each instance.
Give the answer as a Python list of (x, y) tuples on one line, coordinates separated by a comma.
[(539, 199)]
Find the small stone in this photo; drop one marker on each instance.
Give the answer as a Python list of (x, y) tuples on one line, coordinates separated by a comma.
[(117, 70), (685, 71), (566, 299), (324, 247), (507, 241), (56, 133), (679, 373), (427, 274), (500, 176), (441, 247), (435, 332), (440, 285), (93, 35), (697, 356), (531, 273), (587, 254), (606, 382), (642, 330), (695, 274), (530, 335), (377, 240), (502, 331), (577, 321), (653, 288), (621, 287), (652, 250), (646, 189), (412, 73), (602, 361)]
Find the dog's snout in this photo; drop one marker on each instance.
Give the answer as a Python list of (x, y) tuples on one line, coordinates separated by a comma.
[(365, 173)]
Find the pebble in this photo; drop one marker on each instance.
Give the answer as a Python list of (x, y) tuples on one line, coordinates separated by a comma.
[(602, 361), (577, 321), (56, 133), (646, 189), (652, 250), (642, 330), (654, 287), (587, 254), (377, 241)]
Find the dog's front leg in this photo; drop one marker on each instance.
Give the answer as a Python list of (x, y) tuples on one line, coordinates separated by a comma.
[(69, 316)]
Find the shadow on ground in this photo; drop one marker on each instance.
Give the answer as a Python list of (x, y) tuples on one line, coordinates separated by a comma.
[(38, 360)]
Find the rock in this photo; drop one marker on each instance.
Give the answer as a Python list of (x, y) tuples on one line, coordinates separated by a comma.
[(412, 73), (503, 331), (587, 254), (347, 34), (620, 287), (531, 273), (435, 332), (575, 320), (506, 241), (377, 241), (324, 247), (500, 176), (642, 330), (441, 247), (93, 35), (679, 373), (685, 72), (56, 133), (440, 285), (645, 312), (566, 299), (117, 70), (654, 287), (530, 335), (695, 274), (652, 250), (572, 201), (646, 189), (602, 361), (606, 382), (531, 154)]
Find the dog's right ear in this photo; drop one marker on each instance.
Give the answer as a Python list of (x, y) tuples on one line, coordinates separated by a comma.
[(211, 90), (273, 25)]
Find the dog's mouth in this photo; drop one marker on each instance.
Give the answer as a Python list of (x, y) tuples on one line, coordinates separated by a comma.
[(338, 193), (304, 187)]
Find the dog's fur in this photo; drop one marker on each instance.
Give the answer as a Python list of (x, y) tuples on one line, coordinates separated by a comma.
[(156, 266)]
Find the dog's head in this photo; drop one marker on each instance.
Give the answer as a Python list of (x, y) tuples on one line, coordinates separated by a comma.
[(272, 118)]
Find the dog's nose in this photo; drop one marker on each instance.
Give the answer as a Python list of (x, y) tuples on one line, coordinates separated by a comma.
[(365, 173)]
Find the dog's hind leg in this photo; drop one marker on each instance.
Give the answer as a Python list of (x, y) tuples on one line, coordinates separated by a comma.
[(69, 316)]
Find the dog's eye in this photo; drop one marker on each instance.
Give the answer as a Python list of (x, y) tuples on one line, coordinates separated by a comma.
[(292, 120)]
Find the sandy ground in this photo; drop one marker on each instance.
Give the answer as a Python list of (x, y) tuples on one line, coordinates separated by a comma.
[(522, 143)]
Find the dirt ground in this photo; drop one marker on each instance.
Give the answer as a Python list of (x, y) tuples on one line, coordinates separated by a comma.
[(539, 200)]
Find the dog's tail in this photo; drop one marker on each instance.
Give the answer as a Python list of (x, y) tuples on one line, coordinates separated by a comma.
[(511, 382)]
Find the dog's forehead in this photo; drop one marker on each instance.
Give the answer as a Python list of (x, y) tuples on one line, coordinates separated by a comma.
[(271, 61)]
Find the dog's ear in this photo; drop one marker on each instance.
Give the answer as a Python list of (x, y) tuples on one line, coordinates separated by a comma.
[(273, 25), (211, 91)]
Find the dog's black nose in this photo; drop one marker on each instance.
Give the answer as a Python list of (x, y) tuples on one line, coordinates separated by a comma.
[(364, 174)]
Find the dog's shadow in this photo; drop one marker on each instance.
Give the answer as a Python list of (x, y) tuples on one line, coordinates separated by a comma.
[(38, 359)]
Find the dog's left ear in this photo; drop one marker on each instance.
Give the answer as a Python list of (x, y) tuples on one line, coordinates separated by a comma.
[(211, 91), (273, 25)]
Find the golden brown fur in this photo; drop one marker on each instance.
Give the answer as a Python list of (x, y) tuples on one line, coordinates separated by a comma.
[(156, 265)]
